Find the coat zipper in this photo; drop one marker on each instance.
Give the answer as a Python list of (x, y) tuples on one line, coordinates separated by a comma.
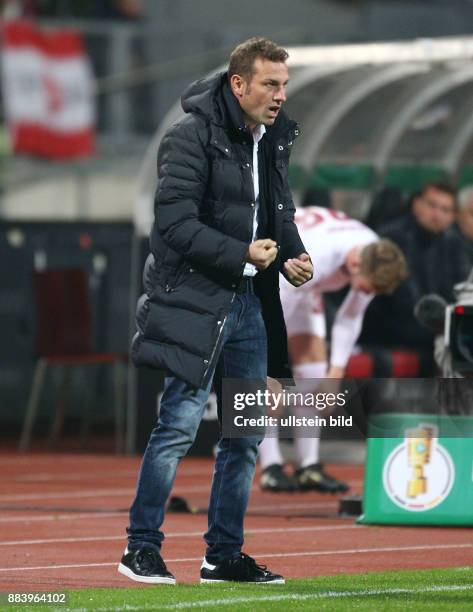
[(252, 217), (217, 342)]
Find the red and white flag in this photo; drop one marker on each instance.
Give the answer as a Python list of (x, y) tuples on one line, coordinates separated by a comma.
[(48, 91)]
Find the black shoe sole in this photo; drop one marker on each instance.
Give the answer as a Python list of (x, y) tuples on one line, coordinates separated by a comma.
[(126, 571)]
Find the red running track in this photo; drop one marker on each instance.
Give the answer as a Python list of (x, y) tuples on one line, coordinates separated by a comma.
[(63, 520)]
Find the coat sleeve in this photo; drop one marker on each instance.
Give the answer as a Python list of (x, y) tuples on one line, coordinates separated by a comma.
[(183, 172), (291, 243)]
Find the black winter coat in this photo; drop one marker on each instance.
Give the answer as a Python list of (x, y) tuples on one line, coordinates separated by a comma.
[(203, 227)]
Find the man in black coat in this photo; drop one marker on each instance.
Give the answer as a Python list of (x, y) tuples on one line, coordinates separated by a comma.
[(223, 231)]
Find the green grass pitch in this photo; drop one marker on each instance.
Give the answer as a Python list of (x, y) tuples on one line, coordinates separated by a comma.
[(440, 589)]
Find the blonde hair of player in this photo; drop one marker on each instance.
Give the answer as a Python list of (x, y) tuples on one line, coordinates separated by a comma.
[(384, 264)]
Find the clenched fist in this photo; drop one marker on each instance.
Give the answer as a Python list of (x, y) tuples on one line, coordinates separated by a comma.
[(262, 253)]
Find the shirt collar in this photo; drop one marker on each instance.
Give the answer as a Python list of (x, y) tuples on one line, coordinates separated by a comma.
[(258, 132)]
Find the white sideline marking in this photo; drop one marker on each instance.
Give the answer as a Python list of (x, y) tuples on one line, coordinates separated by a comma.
[(284, 597), (132, 473), (318, 553), (111, 492), (93, 493), (304, 596), (269, 506), (61, 517), (65, 494), (72, 516), (129, 491), (65, 458), (181, 534), (54, 476)]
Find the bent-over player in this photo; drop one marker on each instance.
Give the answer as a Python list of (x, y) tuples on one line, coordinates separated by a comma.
[(344, 252)]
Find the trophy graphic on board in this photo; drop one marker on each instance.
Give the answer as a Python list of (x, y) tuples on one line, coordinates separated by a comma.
[(419, 449)]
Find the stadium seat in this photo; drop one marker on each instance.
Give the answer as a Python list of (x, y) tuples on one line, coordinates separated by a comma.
[(384, 364), (64, 339)]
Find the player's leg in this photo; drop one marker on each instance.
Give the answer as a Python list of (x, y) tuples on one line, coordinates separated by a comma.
[(296, 305), (309, 355), (273, 476)]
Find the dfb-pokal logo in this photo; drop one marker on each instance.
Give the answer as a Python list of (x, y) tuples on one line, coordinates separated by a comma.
[(419, 473)]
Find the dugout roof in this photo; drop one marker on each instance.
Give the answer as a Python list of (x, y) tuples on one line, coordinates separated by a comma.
[(373, 114)]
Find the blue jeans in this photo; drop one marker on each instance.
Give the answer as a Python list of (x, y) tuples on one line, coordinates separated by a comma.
[(243, 355)]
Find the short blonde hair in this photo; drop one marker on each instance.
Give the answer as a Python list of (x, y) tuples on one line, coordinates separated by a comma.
[(384, 264)]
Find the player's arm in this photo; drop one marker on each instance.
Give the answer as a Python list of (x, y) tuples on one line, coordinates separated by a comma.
[(335, 372), (345, 331)]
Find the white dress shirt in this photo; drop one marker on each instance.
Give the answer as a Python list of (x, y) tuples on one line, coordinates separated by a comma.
[(258, 133)]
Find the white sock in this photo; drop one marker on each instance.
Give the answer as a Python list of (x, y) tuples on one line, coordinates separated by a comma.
[(307, 449), (269, 451), (311, 369)]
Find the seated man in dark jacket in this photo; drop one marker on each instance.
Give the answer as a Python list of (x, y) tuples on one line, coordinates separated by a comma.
[(223, 232), (431, 258)]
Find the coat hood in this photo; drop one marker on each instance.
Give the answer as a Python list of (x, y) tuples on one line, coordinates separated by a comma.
[(202, 97)]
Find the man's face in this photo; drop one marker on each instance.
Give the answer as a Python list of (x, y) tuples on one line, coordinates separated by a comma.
[(434, 210), (465, 220), (262, 98)]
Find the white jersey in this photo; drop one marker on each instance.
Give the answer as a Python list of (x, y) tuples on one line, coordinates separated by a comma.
[(328, 236)]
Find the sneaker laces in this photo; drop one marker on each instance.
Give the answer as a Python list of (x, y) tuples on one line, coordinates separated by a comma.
[(250, 563), (148, 559)]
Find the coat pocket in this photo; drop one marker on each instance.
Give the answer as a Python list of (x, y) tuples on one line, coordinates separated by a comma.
[(172, 278), (171, 270)]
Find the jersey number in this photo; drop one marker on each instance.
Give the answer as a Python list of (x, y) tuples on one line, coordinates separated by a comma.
[(306, 218)]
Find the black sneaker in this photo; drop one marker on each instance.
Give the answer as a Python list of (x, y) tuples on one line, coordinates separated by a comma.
[(273, 478), (145, 565), (238, 569), (314, 478)]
